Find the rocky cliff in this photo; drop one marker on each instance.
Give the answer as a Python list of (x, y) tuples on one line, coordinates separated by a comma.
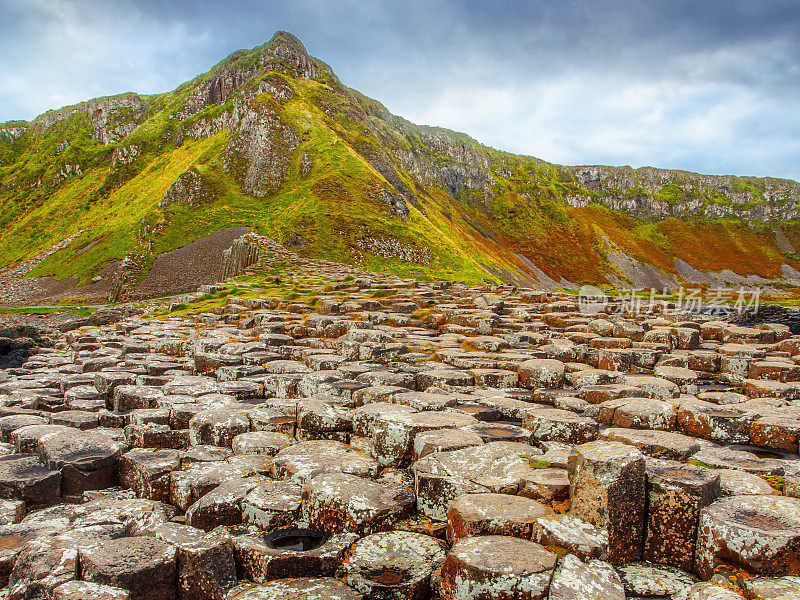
[(660, 193)]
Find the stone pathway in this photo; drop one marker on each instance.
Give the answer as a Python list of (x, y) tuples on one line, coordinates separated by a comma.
[(398, 440)]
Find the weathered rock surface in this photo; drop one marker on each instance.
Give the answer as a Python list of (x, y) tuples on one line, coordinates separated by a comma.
[(492, 514), (268, 450), (759, 534), (607, 489), (393, 566), (494, 566), (595, 580)]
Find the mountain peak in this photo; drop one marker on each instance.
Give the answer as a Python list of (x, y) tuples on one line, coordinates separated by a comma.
[(287, 40), (291, 52), (283, 52)]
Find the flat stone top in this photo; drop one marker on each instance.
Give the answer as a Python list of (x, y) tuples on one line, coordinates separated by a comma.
[(315, 447), (499, 507), (190, 538), (777, 516), (650, 380), (710, 409), (363, 494), (503, 555), (601, 451), (76, 447), (548, 364), (773, 587), (676, 372), (640, 404), (730, 458), (22, 467), (307, 588), (649, 437), (403, 550), (81, 590), (117, 556), (648, 579), (491, 462), (669, 471), (275, 495), (709, 591), (430, 419), (557, 414)]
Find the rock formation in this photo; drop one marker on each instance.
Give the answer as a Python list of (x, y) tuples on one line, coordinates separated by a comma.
[(367, 436)]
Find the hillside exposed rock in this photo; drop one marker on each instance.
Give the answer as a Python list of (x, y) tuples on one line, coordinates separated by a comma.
[(190, 188), (111, 119), (259, 151), (12, 132), (243, 253), (636, 191)]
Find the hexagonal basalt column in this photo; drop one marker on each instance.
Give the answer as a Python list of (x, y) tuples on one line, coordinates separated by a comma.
[(144, 566), (337, 503), (576, 580), (541, 373), (307, 588), (607, 489), (760, 534), (393, 435), (496, 567), (396, 565), (500, 467), (675, 494), (495, 514)]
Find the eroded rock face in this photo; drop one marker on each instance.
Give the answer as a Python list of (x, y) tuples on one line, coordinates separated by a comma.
[(174, 457), (492, 514), (206, 565), (499, 467), (607, 489), (311, 588), (393, 436), (710, 591), (650, 580), (620, 181), (595, 580), (259, 152), (272, 504), (261, 561), (675, 495), (190, 188), (574, 535), (144, 566), (40, 568)]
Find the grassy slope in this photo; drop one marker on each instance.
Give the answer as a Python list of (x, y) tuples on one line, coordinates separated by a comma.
[(332, 207), (329, 206)]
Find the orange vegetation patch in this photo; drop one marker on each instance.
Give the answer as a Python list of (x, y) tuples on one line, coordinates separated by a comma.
[(710, 245), (543, 232)]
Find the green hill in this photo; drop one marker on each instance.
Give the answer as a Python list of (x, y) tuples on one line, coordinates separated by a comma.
[(271, 141)]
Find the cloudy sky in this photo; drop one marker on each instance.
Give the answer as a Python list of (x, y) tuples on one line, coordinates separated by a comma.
[(705, 85)]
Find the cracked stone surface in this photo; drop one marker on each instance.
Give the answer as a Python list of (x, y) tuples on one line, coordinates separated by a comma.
[(494, 566), (426, 440)]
